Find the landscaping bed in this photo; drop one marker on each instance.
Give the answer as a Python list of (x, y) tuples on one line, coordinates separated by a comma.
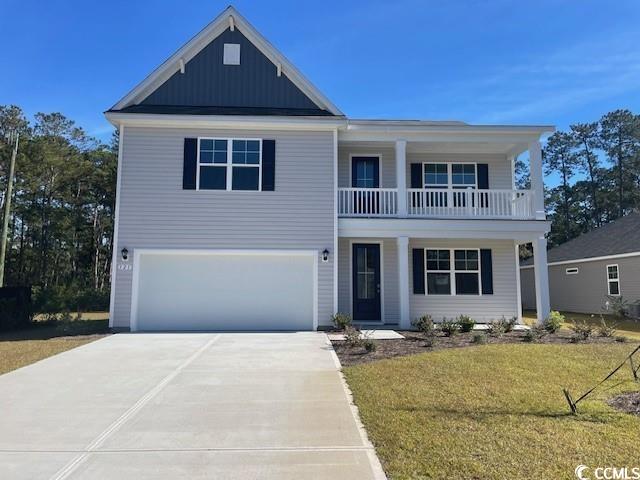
[(417, 342), (627, 402)]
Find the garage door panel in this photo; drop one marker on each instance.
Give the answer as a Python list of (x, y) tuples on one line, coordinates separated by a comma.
[(225, 292)]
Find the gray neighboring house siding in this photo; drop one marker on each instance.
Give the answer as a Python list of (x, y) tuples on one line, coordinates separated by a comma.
[(585, 292), (155, 212), (253, 83)]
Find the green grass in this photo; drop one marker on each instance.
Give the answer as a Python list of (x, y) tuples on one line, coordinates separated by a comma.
[(495, 411), (22, 347), (624, 326)]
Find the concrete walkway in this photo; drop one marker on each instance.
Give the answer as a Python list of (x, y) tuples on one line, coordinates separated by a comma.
[(155, 406)]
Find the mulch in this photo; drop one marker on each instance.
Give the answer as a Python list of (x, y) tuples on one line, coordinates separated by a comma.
[(626, 402), (414, 342)]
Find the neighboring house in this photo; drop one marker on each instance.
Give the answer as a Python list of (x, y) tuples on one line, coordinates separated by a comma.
[(248, 201), (586, 271)]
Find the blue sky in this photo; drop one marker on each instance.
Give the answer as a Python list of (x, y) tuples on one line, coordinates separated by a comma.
[(493, 61)]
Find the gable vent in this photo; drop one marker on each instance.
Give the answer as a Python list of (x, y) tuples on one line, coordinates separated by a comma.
[(231, 54)]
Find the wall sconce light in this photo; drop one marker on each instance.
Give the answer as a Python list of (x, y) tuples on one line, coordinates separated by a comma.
[(325, 255), (125, 254)]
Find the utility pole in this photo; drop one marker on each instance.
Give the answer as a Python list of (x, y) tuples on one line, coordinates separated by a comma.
[(13, 137)]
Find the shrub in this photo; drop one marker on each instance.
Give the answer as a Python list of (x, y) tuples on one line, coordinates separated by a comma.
[(621, 339), (553, 322), (425, 325), (352, 336), (479, 338), (72, 297), (341, 320), (449, 327), (466, 323), (509, 324), (369, 345), (496, 328), (535, 334), (618, 305), (15, 308), (606, 329), (581, 331)]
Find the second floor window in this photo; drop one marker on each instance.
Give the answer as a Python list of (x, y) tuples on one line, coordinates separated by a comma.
[(229, 164), (450, 175)]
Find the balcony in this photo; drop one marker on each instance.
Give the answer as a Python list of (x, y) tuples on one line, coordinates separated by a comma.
[(436, 203)]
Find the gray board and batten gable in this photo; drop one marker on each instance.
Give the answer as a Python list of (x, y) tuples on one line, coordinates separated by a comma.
[(207, 86)]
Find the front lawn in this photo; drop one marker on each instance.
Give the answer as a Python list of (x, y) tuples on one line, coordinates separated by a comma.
[(496, 411), (22, 347)]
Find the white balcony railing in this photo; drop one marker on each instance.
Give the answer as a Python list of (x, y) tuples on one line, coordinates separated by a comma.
[(367, 202), (437, 203)]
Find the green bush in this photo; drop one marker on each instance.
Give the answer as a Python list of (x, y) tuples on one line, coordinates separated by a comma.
[(352, 336), (581, 331), (449, 327), (618, 305), (535, 334), (496, 328), (466, 323), (341, 320), (425, 325), (72, 298), (553, 322), (15, 308), (621, 339), (369, 345), (480, 338), (509, 324), (606, 329)]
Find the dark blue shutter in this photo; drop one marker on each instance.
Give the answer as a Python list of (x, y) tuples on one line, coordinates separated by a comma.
[(416, 175), (483, 176), (486, 268), (418, 270), (190, 163), (268, 165)]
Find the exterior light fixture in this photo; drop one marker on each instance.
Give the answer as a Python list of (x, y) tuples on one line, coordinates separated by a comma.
[(125, 254), (325, 255)]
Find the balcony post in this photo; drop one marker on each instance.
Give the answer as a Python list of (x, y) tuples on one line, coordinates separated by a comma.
[(541, 272), (537, 183), (401, 176), (403, 281)]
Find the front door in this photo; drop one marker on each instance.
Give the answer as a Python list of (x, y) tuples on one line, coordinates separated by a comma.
[(366, 282)]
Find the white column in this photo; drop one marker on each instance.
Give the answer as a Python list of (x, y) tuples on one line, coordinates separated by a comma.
[(401, 176), (537, 182), (403, 281), (518, 283), (541, 271)]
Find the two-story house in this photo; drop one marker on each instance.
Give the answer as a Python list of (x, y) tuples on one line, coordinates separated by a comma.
[(246, 200)]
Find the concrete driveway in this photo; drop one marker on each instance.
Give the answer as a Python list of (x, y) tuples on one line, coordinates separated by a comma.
[(184, 405)]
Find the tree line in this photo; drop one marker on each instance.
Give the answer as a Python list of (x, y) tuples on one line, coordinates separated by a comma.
[(61, 223), (598, 167)]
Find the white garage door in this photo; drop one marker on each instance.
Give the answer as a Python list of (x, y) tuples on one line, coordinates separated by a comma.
[(224, 291)]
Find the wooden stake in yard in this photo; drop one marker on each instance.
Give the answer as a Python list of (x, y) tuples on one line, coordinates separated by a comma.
[(7, 204)]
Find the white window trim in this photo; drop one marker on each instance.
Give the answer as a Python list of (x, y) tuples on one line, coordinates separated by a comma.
[(450, 184), (610, 280), (359, 155), (229, 165), (452, 272), (571, 271)]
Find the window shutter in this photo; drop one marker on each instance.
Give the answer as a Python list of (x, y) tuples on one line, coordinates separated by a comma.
[(190, 163), (486, 267), (416, 175), (268, 165), (483, 176), (418, 270)]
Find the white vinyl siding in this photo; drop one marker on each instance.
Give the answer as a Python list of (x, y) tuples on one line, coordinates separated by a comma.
[(482, 308), (155, 212)]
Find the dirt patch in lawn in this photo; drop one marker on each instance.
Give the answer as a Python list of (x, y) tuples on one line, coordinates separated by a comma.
[(626, 402), (416, 342)]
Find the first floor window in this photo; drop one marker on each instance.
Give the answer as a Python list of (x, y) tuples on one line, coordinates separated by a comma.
[(613, 280), (229, 164), (461, 265)]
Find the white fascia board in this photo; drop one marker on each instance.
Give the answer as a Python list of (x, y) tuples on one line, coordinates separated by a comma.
[(201, 40), (224, 121), (590, 259), (520, 230), (430, 133)]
